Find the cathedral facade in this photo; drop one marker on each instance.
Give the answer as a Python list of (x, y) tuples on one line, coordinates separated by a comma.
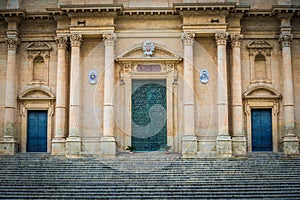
[(199, 77)]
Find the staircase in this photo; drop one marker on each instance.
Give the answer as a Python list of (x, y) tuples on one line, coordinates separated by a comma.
[(149, 176)]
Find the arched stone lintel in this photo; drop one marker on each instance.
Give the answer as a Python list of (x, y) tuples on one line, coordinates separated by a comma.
[(41, 93), (139, 47), (261, 91)]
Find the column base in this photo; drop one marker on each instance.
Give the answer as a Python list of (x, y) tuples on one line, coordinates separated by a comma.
[(58, 146), (108, 146), (291, 144), (239, 146), (189, 147), (8, 146), (224, 146), (73, 147)]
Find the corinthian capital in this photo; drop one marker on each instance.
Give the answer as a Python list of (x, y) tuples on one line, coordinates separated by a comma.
[(188, 38), (12, 43), (75, 40), (285, 39), (221, 38), (236, 39), (109, 39), (61, 42)]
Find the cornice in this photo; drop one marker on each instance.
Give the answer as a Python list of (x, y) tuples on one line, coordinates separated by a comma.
[(203, 6), (148, 11), (285, 9), (13, 13), (92, 8)]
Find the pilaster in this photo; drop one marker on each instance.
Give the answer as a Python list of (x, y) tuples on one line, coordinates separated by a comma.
[(290, 141), (224, 143), (238, 134), (58, 142), (9, 145), (108, 141), (73, 142), (189, 140)]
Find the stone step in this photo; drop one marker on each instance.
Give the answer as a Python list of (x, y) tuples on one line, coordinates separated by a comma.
[(142, 176)]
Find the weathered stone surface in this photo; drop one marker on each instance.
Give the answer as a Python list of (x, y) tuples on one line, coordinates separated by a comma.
[(251, 54)]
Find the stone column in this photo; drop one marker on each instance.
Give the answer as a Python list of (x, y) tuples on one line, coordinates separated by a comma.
[(224, 145), (58, 142), (9, 143), (290, 141), (108, 141), (239, 138), (73, 143), (189, 140)]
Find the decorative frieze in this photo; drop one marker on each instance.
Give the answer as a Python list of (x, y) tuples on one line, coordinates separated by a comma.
[(109, 39), (12, 43), (285, 40), (221, 38), (188, 38), (75, 40)]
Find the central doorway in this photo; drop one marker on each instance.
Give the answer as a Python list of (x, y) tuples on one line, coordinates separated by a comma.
[(37, 131), (148, 114), (261, 129)]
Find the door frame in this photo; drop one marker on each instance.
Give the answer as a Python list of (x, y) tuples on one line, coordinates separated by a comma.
[(263, 104), (36, 98), (168, 73)]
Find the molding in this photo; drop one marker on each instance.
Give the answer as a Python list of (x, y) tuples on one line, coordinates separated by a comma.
[(261, 91), (125, 57), (38, 46), (37, 88)]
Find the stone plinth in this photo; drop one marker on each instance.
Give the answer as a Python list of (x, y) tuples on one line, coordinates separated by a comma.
[(189, 147), (58, 146), (239, 146), (8, 146), (224, 146), (108, 146), (291, 144), (73, 147)]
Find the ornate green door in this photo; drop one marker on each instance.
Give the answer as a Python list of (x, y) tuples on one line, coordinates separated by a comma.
[(148, 115)]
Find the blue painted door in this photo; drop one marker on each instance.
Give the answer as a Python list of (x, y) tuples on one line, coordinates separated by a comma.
[(261, 129), (37, 131), (148, 115)]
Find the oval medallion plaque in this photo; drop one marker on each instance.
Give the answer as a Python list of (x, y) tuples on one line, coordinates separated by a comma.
[(204, 76), (93, 77)]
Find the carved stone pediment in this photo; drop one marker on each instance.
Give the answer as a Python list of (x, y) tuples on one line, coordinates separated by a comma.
[(39, 46), (259, 44), (137, 53), (37, 93), (261, 92)]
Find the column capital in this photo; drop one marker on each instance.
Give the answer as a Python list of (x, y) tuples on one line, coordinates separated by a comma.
[(109, 39), (61, 42), (12, 43), (75, 40), (187, 38), (221, 38), (236, 39), (285, 39)]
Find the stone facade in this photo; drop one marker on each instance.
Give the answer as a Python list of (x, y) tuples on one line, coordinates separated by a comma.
[(77, 60)]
